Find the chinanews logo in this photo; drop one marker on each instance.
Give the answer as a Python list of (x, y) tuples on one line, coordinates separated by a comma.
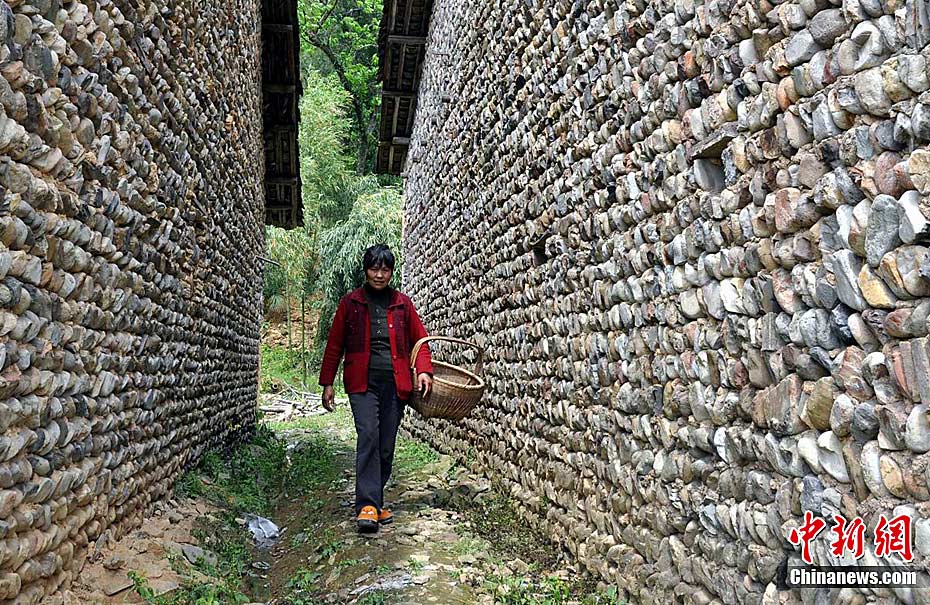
[(848, 576), (891, 537)]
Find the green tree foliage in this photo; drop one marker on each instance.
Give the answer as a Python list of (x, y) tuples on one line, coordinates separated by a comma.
[(326, 170), (376, 217), (295, 250), (340, 37)]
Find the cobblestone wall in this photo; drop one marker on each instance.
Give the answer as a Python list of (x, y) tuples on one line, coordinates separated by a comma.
[(693, 238), (131, 213)]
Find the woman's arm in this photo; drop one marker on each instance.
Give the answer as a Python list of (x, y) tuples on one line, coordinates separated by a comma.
[(423, 363), (334, 346)]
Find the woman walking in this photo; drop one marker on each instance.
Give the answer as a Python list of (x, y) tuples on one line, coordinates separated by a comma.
[(375, 326)]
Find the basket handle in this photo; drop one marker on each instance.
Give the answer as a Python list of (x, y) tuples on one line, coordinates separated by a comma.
[(416, 349)]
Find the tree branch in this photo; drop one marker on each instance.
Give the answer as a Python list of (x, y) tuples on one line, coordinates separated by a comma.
[(326, 16)]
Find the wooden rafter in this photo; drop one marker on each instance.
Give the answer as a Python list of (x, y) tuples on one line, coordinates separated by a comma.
[(281, 90), (402, 44)]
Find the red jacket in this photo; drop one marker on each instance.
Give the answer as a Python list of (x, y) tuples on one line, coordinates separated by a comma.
[(351, 334)]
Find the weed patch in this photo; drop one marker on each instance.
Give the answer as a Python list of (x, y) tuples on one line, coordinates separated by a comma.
[(498, 526), (497, 520), (301, 587), (230, 543), (339, 422), (190, 593), (411, 456), (252, 479), (375, 597), (257, 473), (280, 368), (550, 590), (312, 465)]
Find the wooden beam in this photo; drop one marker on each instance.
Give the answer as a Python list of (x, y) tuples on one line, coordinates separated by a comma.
[(278, 27), (284, 88), (400, 141), (400, 70), (408, 40), (393, 15), (407, 15), (399, 94), (394, 118), (411, 114)]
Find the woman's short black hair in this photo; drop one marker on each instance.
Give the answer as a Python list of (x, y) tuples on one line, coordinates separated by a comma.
[(379, 254)]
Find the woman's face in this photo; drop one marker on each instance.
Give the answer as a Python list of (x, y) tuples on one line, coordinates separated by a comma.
[(378, 276)]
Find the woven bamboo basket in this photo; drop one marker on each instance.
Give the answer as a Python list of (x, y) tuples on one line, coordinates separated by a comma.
[(455, 392)]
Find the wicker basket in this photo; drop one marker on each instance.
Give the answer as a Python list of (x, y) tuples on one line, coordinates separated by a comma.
[(455, 392)]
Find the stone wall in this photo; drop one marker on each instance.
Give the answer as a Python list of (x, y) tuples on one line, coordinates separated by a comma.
[(130, 302), (693, 238)]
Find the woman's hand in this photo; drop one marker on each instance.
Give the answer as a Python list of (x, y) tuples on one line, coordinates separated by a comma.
[(329, 398), (424, 384)]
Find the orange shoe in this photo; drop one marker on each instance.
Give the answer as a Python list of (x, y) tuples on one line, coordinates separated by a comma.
[(385, 516), (367, 520)]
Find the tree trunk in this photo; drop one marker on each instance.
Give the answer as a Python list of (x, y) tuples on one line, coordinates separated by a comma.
[(303, 340), (290, 342), (362, 165), (370, 127)]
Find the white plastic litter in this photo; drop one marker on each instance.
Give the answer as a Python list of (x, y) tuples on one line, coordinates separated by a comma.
[(264, 531)]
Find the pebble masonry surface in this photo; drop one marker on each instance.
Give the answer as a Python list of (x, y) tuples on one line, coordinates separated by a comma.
[(130, 297), (694, 239)]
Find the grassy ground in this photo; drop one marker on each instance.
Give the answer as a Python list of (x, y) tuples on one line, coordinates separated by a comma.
[(282, 368), (253, 480)]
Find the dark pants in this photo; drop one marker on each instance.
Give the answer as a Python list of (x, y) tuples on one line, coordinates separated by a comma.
[(377, 415)]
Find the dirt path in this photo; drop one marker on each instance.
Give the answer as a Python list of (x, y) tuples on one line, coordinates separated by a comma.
[(197, 550), (412, 560)]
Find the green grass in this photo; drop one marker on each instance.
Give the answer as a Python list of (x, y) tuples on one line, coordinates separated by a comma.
[(190, 593), (281, 368), (496, 519), (468, 545), (339, 423), (301, 587), (375, 597), (345, 563), (259, 472), (247, 481), (229, 542), (250, 480), (411, 456), (497, 526), (511, 590), (611, 596), (550, 590), (313, 465), (331, 546), (415, 566)]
